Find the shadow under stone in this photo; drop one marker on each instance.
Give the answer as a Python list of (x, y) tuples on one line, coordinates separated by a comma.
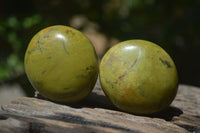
[(94, 100), (168, 113)]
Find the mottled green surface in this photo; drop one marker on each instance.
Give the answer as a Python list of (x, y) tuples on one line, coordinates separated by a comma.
[(61, 63), (139, 77)]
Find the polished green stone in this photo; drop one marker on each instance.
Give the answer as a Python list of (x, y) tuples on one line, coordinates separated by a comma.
[(61, 63), (139, 77)]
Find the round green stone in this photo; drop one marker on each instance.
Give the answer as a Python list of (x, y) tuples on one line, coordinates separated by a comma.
[(139, 77), (61, 63)]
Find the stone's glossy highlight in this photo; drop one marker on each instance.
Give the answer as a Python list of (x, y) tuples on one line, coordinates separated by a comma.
[(61, 63), (139, 77)]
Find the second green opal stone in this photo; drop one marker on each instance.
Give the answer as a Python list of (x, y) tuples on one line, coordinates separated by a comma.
[(139, 77)]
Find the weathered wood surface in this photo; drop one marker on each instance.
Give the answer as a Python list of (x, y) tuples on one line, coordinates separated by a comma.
[(96, 114)]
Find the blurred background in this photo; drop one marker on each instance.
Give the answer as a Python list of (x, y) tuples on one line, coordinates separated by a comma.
[(172, 24)]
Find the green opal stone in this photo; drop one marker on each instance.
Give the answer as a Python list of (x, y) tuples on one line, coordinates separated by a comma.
[(61, 63), (139, 77)]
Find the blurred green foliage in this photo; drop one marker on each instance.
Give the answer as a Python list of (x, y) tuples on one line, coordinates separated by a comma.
[(173, 24), (11, 63)]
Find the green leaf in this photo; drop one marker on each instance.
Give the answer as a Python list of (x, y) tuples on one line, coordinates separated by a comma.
[(13, 22), (14, 41), (4, 72), (12, 61), (30, 21)]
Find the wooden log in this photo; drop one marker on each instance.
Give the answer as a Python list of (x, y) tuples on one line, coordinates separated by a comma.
[(97, 114)]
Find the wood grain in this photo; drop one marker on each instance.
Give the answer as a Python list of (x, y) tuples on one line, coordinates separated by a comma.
[(96, 114)]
